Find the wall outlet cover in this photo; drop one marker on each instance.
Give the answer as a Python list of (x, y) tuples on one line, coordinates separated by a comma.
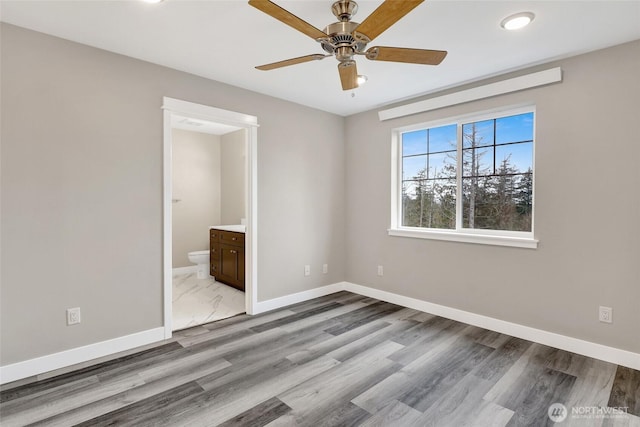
[(605, 314), (73, 316)]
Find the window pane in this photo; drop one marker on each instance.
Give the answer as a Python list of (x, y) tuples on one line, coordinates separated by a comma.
[(497, 175), (442, 138), (514, 128), (478, 161), (514, 158), (414, 167), (477, 134), (442, 165), (414, 142), (497, 203), (429, 204)]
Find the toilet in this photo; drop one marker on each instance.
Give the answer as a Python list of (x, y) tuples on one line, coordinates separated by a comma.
[(201, 258)]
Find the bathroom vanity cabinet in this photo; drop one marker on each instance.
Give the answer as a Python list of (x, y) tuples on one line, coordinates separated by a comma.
[(227, 257)]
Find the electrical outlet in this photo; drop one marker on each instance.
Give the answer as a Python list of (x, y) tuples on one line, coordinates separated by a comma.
[(605, 314), (73, 316), (380, 271), (325, 268), (307, 270)]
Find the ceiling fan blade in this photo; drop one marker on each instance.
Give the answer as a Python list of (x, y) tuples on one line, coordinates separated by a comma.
[(403, 54), (348, 74), (387, 14), (283, 15), (292, 61)]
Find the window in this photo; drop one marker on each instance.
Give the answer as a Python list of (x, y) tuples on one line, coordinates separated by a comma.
[(466, 179)]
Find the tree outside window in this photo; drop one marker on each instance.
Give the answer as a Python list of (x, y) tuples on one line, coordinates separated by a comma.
[(469, 175)]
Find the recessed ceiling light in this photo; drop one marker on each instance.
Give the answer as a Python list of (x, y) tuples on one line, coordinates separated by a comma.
[(152, 1), (517, 21), (362, 79)]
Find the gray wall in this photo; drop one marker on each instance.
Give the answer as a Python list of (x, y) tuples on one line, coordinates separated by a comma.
[(81, 176), (587, 213), (232, 172), (196, 179)]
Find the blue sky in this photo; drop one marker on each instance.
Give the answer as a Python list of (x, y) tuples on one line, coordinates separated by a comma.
[(508, 129)]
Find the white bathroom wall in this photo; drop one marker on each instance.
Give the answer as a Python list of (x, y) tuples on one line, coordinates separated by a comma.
[(196, 183), (232, 172)]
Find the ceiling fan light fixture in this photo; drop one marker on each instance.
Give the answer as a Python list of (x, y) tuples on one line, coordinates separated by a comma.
[(362, 79), (517, 21)]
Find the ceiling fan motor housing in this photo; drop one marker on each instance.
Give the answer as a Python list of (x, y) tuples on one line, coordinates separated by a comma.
[(341, 41)]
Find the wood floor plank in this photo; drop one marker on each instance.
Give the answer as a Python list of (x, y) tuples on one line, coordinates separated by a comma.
[(487, 414), (620, 421), (345, 379), (356, 347), (535, 377), (418, 347), (55, 404), (259, 415), (234, 328), (172, 379), (593, 385), (216, 406), (336, 342), (163, 352), (327, 318), (362, 316), (294, 317), (550, 387), (444, 375), (454, 406), (395, 413), (313, 399), (142, 413), (507, 382), (396, 385), (501, 360), (625, 391), (347, 415)]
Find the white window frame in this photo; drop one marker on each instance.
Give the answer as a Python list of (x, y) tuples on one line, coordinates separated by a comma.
[(520, 239)]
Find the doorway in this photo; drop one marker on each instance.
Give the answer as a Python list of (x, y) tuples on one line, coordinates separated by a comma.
[(176, 111)]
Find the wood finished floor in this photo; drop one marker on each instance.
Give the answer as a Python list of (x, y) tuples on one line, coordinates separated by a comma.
[(339, 360)]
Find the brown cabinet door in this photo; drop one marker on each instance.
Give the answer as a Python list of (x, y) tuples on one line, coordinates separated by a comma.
[(232, 266)]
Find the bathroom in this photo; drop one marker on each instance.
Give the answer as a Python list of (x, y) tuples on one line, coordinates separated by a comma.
[(208, 190)]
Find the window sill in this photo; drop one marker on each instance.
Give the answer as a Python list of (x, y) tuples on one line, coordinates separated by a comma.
[(453, 236)]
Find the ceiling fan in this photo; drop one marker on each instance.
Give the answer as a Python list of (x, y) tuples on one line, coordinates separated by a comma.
[(345, 39)]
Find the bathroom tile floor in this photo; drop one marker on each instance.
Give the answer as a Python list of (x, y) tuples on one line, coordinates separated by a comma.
[(197, 301)]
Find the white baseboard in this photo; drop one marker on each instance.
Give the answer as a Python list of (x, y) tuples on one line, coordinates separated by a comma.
[(184, 270), (50, 362), (563, 342), (286, 300), (67, 358)]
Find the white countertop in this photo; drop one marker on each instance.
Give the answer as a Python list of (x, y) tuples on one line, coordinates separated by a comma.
[(235, 228)]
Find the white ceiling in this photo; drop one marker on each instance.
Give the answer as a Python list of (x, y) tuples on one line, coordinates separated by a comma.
[(224, 40)]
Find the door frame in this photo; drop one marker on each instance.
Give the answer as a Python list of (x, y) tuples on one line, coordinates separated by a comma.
[(173, 106)]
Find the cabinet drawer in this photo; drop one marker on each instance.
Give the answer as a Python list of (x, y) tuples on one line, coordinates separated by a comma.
[(214, 235), (231, 238)]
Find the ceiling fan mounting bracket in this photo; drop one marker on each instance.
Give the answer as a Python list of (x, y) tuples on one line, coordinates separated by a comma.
[(344, 9)]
